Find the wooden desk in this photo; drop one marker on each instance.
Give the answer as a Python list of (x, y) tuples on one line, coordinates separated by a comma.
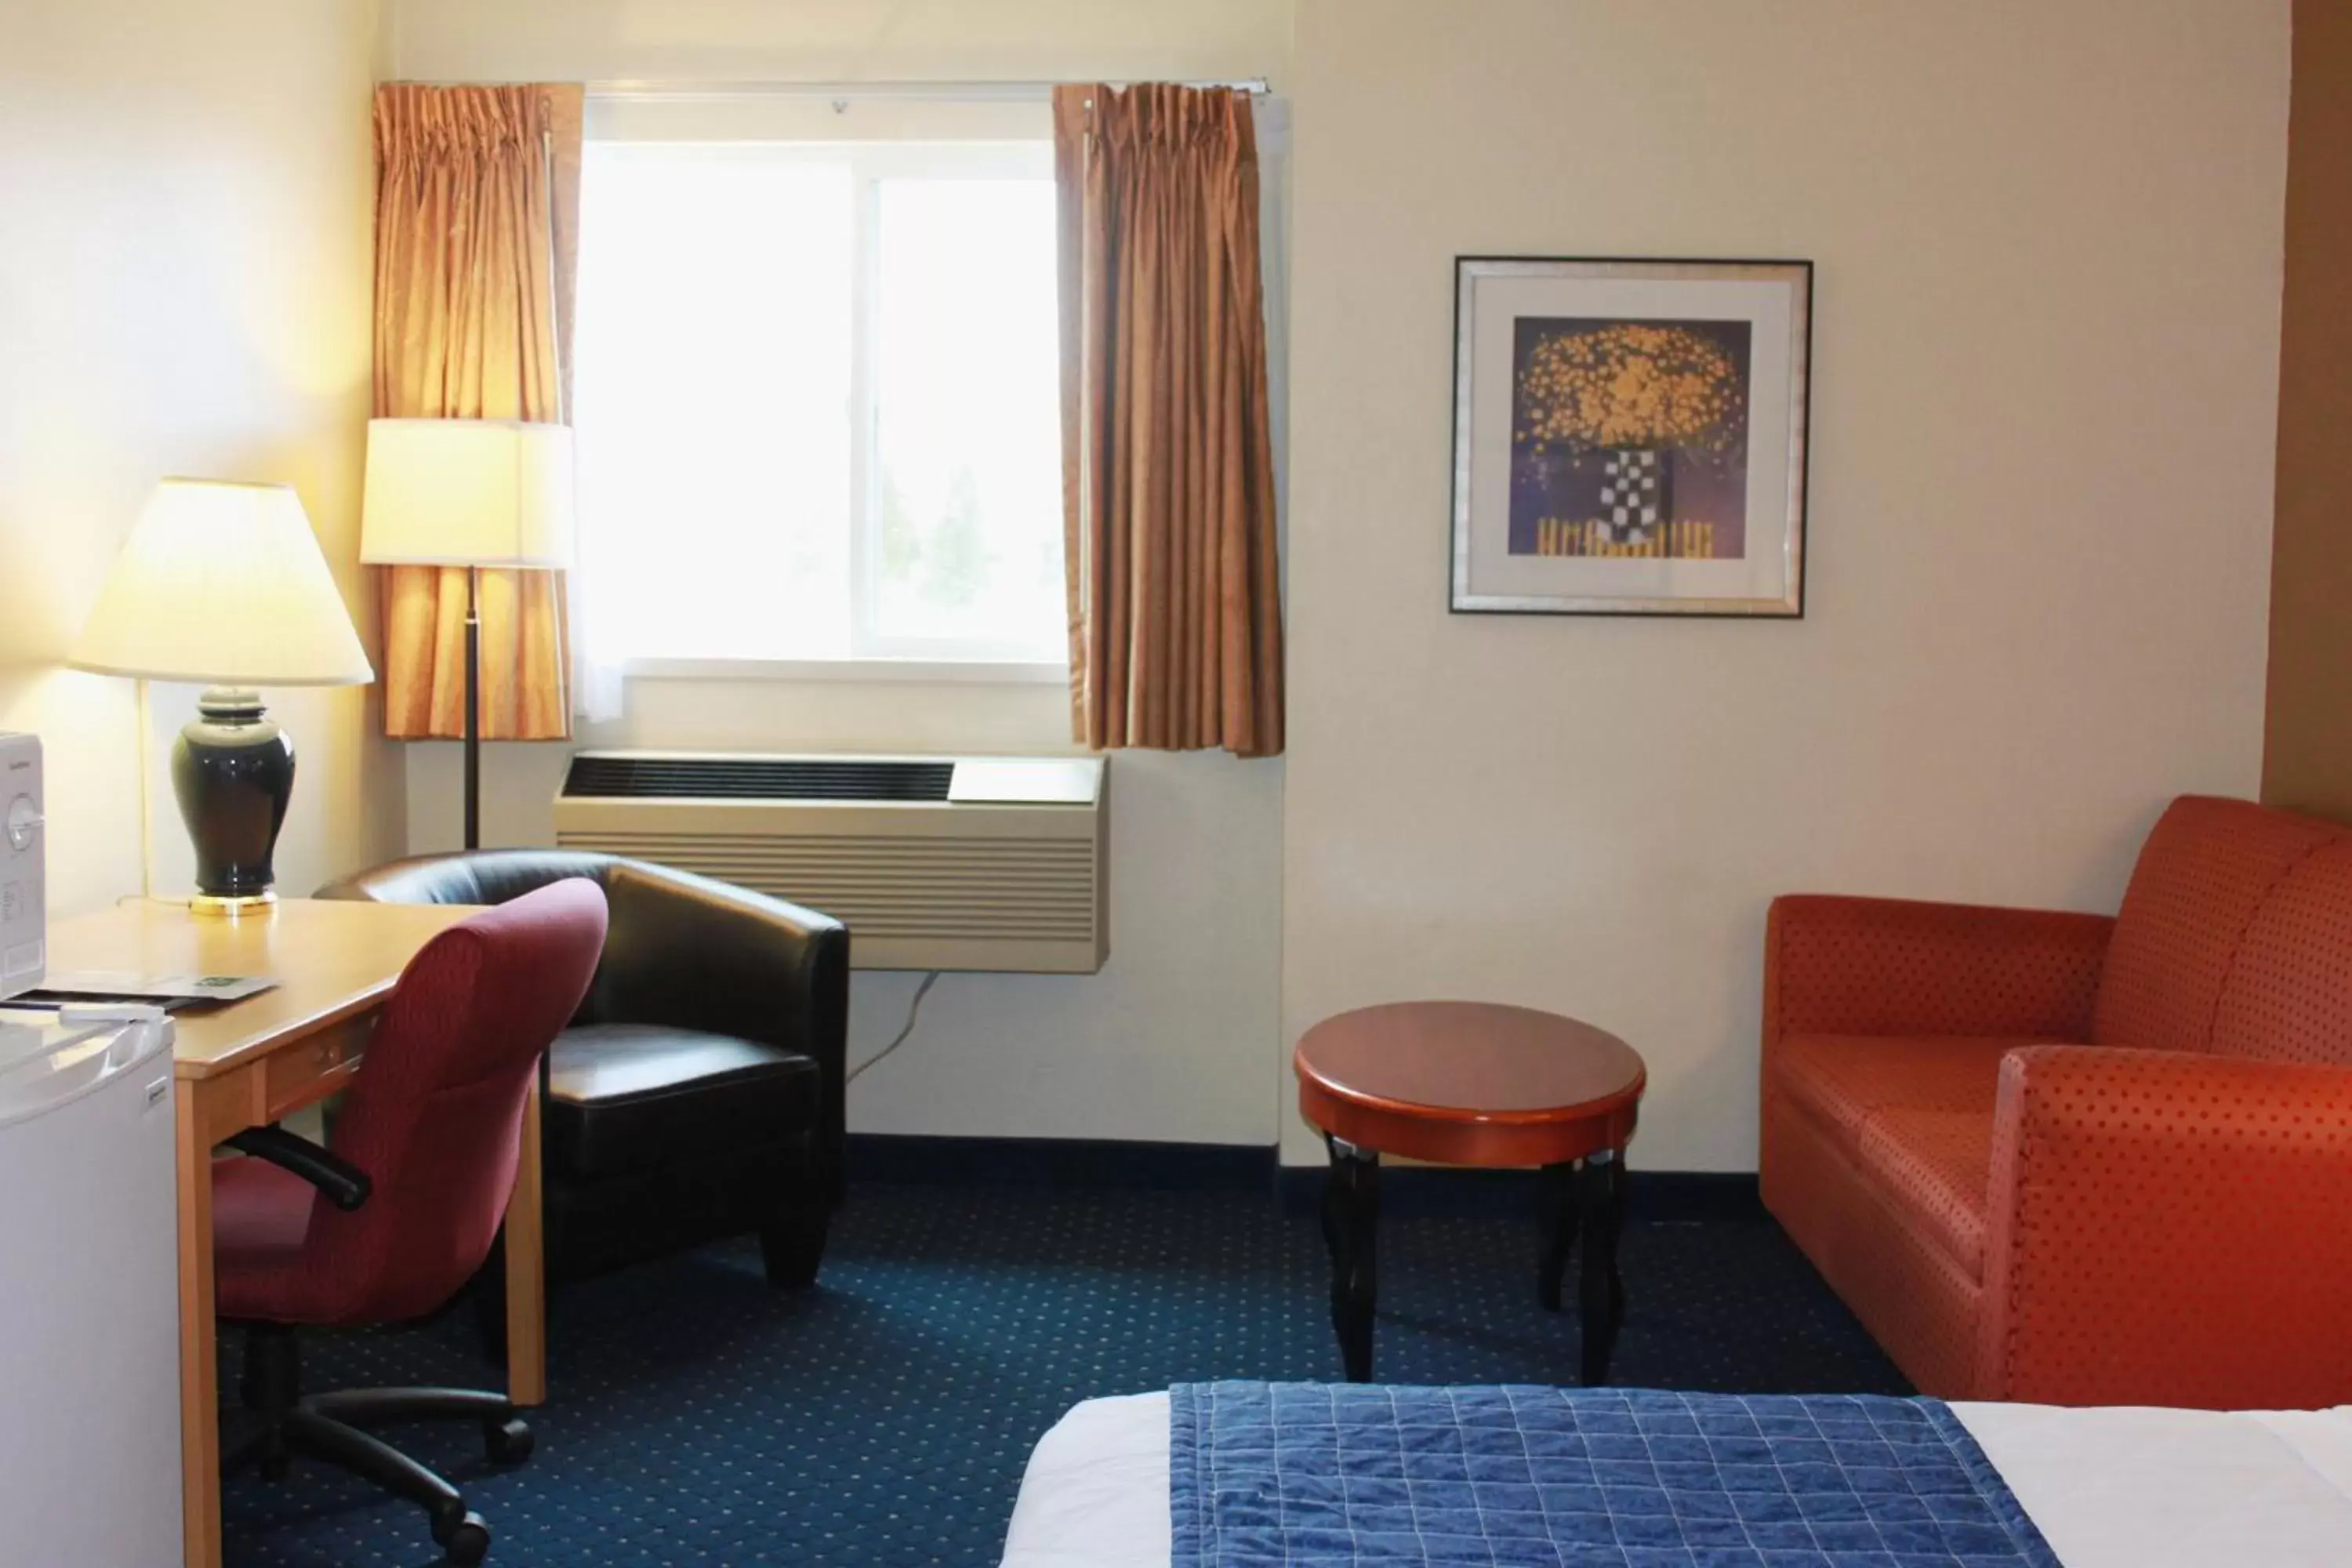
[(251, 1062)]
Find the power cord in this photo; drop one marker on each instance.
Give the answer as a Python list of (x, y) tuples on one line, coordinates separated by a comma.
[(914, 1011)]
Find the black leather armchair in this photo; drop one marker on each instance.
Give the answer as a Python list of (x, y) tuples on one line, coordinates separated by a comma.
[(698, 1091)]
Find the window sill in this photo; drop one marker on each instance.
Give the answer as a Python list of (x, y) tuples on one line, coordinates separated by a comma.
[(888, 671)]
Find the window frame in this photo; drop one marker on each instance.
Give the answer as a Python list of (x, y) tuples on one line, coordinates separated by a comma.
[(882, 669), (871, 655)]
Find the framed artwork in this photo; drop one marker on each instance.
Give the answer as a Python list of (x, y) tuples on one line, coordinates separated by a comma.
[(1629, 435)]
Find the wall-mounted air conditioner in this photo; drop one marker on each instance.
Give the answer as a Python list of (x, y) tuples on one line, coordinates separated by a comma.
[(988, 863)]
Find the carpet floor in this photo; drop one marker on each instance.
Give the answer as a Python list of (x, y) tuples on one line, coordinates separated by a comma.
[(885, 1416)]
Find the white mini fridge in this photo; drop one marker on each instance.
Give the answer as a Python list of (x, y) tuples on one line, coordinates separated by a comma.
[(90, 1353)]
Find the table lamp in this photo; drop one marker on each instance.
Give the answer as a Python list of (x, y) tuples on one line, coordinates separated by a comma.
[(224, 583), (470, 493)]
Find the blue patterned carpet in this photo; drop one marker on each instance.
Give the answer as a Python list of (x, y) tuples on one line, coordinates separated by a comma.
[(885, 1417)]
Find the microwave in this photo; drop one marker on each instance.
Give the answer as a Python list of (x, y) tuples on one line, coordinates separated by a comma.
[(24, 893)]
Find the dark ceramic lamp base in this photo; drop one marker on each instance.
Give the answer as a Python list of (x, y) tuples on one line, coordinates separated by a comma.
[(232, 770)]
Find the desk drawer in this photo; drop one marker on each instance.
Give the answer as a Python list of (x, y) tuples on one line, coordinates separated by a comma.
[(306, 1073)]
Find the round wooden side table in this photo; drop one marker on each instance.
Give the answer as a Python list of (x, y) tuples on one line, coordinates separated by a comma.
[(1473, 1083)]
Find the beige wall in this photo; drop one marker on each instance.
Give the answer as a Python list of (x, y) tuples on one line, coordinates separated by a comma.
[(1178, 1038), (837, 40), (2307, 755), (2048, 242), (184, 195), (2048, 237)]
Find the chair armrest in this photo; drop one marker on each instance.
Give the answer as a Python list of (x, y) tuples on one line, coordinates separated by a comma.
[(694, 953), (1894, 966), (2167, 1227), (344, 1185), (469, 876)]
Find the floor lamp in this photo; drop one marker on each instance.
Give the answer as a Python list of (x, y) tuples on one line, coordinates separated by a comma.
[(470, 493)]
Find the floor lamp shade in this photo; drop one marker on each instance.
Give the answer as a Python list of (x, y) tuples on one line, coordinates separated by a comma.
[(470, 493), (224, 584)]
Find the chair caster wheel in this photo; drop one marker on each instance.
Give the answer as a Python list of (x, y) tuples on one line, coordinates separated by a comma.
[(508, 1441), (467, 1542)]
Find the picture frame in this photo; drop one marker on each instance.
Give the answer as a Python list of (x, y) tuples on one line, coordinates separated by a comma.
[(1630, 436)]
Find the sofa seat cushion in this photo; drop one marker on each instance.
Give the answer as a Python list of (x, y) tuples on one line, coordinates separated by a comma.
[(1935, 1167), (1914, 1115), (1841, 1080), (626, 1097)]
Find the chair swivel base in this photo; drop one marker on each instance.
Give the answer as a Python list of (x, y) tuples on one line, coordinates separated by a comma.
[(282, 1423)]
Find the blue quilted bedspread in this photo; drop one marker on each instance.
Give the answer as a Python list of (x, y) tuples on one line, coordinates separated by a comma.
[(1315, 1475)]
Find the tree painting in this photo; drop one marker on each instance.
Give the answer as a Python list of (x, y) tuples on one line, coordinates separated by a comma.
[(1630, 438)]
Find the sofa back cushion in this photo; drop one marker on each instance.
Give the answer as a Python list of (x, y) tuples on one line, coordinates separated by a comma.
[(2289, 995), (2203, 876)]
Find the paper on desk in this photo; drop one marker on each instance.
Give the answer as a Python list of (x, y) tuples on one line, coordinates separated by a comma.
[(127, 986)]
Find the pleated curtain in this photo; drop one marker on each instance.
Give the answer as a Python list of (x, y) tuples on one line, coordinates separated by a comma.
[(477, 218), (1168, 457)]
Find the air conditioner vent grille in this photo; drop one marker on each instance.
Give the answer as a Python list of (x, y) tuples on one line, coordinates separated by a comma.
[(1035, 889), (610, 777)]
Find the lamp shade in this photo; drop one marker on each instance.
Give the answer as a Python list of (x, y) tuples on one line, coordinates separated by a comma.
[(223, 583), (466, 492)]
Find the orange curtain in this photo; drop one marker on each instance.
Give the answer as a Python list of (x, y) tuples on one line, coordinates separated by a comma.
[(1167, 459), (477, 210)]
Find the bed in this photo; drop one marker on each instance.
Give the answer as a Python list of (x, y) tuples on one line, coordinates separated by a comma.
[(2111, 1488)]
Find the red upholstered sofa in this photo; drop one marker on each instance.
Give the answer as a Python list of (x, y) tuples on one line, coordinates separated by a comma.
[(2076, 1159)]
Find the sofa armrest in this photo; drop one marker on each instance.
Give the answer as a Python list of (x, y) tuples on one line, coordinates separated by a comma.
[(695, 954), (1894, 966), (2167, 1227)]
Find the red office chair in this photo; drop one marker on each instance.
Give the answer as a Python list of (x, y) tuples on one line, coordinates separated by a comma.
[(423, 1157)]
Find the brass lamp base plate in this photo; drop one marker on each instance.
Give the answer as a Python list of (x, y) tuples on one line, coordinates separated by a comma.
[(230, 908)]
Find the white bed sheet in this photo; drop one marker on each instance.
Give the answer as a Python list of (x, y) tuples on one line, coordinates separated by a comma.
[(2115, 1487)]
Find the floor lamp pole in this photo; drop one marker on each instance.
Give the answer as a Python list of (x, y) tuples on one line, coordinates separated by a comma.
[(473, 708)]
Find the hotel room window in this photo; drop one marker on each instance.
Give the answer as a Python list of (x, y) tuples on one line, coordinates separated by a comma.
[(817, 401)]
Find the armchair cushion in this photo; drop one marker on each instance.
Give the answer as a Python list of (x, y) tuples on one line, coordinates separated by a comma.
[(1933, 1168), (1914, 1118), (625, 1096)]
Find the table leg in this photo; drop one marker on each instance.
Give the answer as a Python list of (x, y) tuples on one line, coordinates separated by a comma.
[(1352, 1211), (526, 1272), (1600, 1296), (1556, 1213), (199, 1366)]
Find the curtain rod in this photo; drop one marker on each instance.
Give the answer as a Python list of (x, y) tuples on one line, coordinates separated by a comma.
[(996, 91)]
